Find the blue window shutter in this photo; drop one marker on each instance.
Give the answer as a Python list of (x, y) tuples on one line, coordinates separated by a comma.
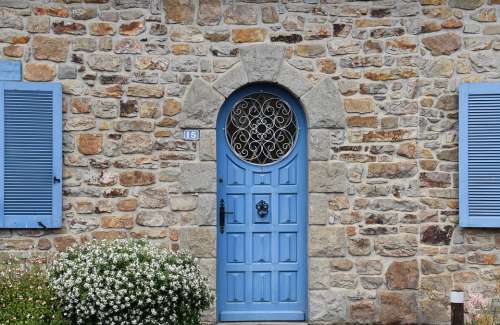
[(30, 155), (479, 155)]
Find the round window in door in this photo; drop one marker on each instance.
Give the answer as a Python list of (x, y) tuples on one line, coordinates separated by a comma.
[(261, 128)]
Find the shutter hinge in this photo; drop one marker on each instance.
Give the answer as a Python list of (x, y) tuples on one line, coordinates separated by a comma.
[(57, 179), (42, 225)]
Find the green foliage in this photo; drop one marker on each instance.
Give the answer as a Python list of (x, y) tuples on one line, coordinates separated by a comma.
[(25, 295)]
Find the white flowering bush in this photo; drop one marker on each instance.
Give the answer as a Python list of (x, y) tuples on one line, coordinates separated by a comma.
[(129, 282)]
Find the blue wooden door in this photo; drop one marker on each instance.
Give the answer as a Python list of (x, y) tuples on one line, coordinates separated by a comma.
[(262, 193)]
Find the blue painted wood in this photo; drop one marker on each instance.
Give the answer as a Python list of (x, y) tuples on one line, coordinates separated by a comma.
[(10, 70), (30, 155), (262, 260), (479, 159)]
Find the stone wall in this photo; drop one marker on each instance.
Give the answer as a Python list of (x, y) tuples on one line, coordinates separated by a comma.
[(384, 241)]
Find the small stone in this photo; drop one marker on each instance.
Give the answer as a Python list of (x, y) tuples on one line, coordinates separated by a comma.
[(108, 91), (269, 15), (341, 47), (435, 179), (39, 72), (127, 205), (179, 11), (491, 29), (397, 307), (317, 31), (65, 27), (153, 198), (402, 275), (146, 91), (359, 246), (125, 222), (392, 170), (66, 71), (86, 44), (136, 142), (249, 35), (431, 26), (38, 24), (51, 11), (327, 177), (327, 241), (359, 105), (81, 105), (63, 242), (466, 4), (101, 29), (407, 150), (363, 311), (369, 267), (442, 44), (362, 121), (136, 178), (132, 28), (293, 23), (183, 202), (44, 244), (198, 177), (13, 51), (439, 68), (436, 234), (209, 12), (134, 125), (185, 64), (361, 61), (158, 29), (50, 48), (484, 15), (452, 23), (240, 14), (90, 144), (83, 13), (341, 30), (128, 46), (363, 23), (326, 66), (171, 107), (104, 62), (109, 235), (310, 50), (217, 34), (401, 45), (401, 245)]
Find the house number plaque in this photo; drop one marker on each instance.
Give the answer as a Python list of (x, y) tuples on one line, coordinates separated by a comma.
[(191, 135)]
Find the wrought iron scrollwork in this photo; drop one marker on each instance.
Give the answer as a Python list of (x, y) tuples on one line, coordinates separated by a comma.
[(261, 128)]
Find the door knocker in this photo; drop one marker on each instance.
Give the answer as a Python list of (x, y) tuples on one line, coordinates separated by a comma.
[(262, 208)]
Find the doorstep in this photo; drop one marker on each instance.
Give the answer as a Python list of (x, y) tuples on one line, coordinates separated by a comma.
[(263, 323)]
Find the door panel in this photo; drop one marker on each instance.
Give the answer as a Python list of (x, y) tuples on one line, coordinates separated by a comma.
[(262, 253)]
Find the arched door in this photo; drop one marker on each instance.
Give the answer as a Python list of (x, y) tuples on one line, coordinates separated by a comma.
[(262, 213)]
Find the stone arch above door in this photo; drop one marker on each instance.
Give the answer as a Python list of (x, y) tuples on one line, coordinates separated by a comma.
[(264, 63)]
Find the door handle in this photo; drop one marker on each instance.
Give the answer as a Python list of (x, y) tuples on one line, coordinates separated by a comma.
[(222, 215)]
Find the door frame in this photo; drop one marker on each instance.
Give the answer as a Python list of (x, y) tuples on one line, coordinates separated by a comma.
[(220, 140)]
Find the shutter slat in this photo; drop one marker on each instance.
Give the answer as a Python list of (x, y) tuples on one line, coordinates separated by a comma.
[(31, 127), (479, 155)]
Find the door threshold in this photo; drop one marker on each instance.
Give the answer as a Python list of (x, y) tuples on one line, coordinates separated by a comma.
[(263, 323)]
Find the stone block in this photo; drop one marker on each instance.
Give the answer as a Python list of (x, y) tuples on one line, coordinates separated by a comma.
[(327, 177), (326, 241)]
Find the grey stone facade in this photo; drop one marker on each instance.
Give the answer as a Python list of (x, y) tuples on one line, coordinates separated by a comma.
[(377, 80)]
